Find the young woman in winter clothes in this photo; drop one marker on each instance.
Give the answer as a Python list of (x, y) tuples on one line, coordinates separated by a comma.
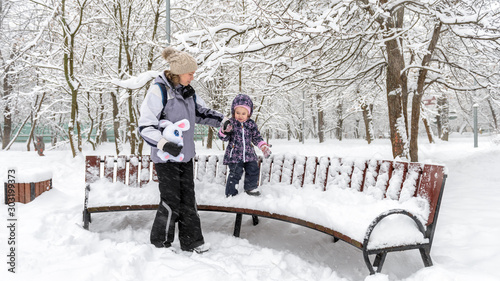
[(173, 99), (241, 132)]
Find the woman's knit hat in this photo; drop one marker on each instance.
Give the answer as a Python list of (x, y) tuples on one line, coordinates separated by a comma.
[(180, 62)]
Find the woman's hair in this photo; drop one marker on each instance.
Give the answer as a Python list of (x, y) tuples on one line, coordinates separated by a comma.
[(174, 78)]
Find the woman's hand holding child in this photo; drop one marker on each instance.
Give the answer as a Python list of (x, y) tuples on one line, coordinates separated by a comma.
[(227, 128)]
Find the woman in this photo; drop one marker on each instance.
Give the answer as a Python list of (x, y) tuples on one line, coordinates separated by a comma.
[(172, 98)]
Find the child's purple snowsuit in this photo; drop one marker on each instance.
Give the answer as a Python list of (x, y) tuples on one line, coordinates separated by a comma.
[(240, 149), (240, 152)]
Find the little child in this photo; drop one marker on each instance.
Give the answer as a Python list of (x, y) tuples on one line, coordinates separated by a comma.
[(241, 132)]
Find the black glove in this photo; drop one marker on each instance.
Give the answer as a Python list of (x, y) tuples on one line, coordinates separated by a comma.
[(172, 148), (227, 127)]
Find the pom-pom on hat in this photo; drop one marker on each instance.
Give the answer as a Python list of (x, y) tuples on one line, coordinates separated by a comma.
[(180, 62)]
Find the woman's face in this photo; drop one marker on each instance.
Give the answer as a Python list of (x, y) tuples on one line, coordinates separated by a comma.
[(186, 78)]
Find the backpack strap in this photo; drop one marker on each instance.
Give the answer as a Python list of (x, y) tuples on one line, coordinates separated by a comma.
[(164, 98), (164, 93)]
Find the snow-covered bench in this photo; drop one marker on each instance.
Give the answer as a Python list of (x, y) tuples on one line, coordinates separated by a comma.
[(377, 206)]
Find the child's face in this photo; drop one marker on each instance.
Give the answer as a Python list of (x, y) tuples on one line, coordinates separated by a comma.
[(241, 114)]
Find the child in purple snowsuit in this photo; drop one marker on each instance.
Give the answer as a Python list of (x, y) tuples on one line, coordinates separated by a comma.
[(241, 132)]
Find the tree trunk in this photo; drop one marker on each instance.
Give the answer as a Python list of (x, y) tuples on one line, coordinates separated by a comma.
[(100, 135), (132, 126), (92, 124), (69, 71), (116, 122), (321, 121), (210, 137), (396, 88), (443, 110), (340, 121), (417, 97), (428, 129), (7, 114), (34, 118), (395, 91), (493, 115), (368, 119)]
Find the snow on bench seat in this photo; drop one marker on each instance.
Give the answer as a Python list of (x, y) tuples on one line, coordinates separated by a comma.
[(343, 210)]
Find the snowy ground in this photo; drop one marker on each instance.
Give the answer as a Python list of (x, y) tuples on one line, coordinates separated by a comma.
[(52, 245)]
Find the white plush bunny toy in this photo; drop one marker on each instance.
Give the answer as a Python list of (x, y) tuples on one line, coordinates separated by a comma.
[(173, 133)]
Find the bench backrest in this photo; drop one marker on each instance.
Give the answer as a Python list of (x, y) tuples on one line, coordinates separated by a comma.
[(395, 180)]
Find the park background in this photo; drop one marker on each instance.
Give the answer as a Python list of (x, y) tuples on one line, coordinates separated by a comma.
[(406, 80)]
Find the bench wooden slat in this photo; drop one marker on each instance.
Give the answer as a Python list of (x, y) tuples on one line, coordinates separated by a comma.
[(431, 186), (109, 167), (411, 182), (322, 174), (358, 174), (221, 173), (299, 169), (288, 165), (202, 167), (334, 171), (154, 174), (398, 176), (121, 168), (92, 168), (276, 169), (265, 169), (310, 170), (146, 166), (371, 174), (133, 170), (211, 168), (103, 209), (383, 178)]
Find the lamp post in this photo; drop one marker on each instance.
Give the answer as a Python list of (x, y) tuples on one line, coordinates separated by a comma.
[(168, 21), (474, 107)]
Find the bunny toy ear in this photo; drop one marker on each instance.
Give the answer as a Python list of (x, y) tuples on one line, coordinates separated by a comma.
[(165, 123), (183, 124)]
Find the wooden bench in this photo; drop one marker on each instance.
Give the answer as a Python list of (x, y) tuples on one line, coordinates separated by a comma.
[(360, 199)]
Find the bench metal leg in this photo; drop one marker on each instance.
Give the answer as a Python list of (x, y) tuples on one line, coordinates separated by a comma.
[(255, 220), (368, 262), (86, 214), (426, 256), (237, 225), (379, 261), (86, 219)]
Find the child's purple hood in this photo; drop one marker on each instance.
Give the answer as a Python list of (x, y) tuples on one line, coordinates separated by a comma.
[(244, 100)]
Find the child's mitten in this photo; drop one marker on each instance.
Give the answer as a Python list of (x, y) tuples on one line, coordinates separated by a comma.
[(265, 149)]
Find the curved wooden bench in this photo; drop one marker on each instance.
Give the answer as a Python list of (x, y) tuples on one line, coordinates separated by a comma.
[(381, 179)]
